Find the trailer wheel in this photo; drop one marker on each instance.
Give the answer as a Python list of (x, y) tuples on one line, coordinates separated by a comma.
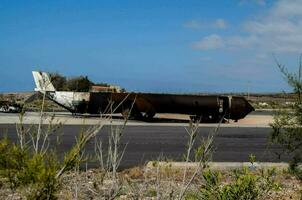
[(133, 114), (148, 116), (215, 119), (196, 118), (205, 118)]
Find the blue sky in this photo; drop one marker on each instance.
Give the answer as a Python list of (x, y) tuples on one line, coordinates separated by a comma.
[(152, 46)]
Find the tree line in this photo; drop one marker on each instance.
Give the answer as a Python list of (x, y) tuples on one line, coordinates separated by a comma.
[(76, 84)]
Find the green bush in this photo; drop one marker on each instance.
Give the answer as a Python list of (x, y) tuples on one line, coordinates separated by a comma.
[(286, 127), (295, 169), (36, 172), (245, 185), (211, 188), (79, 84), (58, 81), (76, 84), (191, 196)]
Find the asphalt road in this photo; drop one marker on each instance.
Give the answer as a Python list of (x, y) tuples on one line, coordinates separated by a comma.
[(260, 118), (144, 143)]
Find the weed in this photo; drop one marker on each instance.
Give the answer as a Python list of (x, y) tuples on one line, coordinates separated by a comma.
[(252, 158), (244, 186), (287, 132), (35, 171), (151, 193)]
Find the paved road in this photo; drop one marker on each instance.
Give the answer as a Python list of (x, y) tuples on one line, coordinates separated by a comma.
[(255, 119), (146, 143)]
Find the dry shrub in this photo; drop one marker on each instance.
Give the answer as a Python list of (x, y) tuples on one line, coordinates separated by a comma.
[(134, 173)]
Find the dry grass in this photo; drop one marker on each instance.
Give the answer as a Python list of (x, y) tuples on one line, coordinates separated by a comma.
[(137, 183)]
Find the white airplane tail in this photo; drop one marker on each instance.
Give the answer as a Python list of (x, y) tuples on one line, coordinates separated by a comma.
[(43, 83)]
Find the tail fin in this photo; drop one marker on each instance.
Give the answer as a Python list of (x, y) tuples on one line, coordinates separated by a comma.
[(43, 82)]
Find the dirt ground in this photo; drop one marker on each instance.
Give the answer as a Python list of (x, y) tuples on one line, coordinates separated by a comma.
[(137, 183)]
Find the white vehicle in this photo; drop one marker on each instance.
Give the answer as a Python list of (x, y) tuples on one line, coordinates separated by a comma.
[(8, 107)]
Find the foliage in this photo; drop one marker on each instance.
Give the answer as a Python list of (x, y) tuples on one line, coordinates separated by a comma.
[(35, 171), (58, 81), (245, 185), (287, 130), (30, 166), (295, 169), (76, 84), (211, 189), (110, 159), (79, 84), (202, 154), (252, 158)]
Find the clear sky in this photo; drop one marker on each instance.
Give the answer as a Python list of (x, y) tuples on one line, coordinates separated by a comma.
[(152, 46)]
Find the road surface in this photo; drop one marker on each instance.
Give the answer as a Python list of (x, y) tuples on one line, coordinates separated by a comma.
[(255, 119), (144, 142)]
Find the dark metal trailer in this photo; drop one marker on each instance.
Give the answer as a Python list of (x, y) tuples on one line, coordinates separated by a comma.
[(145, 105)]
